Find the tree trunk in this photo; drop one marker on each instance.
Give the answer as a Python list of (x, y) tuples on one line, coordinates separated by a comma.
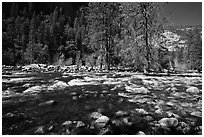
[(146, 42), (14, 53)]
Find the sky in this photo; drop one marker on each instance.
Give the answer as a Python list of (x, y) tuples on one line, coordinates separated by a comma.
[(179, 13), (183, 13)]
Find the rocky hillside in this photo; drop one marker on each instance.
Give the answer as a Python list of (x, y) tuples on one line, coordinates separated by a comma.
[(176, 38)]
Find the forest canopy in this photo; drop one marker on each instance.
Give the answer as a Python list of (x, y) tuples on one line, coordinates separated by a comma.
[(105, 34)]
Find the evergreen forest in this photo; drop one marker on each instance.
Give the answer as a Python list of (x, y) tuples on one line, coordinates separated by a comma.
[(102, 34)]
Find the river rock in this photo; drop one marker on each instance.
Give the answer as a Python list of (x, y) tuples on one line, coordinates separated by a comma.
[(121, 113), (126, 121), (111, 82), (50, 128), (39, 130), (125, 95), (170, 104), (159, 111), (117, 122), (19, 80), (105, 131), (74, 97), (196, 113), (185, 127), (142, 111), (67, 132), (77, 82), (141, 90), (59, 85), (50, 102), (95, 115), (168, 122), (80, 124), (148, 118), (119, 87), (67, 123), (193, 90), (199, 133), (171, 114), (102, 121), (34, 89), (136, 100), (140, 133), (27, 85), (174, 89), (104, 91)]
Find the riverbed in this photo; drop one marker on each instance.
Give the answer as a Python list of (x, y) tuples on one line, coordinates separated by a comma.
[(57, 103)]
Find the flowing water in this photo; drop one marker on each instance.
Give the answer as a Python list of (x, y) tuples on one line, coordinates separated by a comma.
[(23, 113)]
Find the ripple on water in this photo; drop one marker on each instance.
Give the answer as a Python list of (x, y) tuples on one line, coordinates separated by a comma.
[(75, 103)]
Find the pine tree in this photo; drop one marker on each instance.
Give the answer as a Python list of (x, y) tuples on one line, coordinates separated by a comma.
[(102, 25), (195, 49), (54, 34), (148, 28), (25, 28)]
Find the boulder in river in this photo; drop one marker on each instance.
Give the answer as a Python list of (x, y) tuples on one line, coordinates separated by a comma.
[(159, 111), (148, 118), (142, 111), (171, 114), (39, 130), (102, 121), (168, 122), (141, 90), (58, 85), (121, 113), (34, 89), (185, 128), (193, 90), (80, 82), (196, 113), (140, 133), (80, 124), (95, 115), (67, 123)]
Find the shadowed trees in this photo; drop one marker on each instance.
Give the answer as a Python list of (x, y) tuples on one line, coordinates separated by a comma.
[(108, 34)]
